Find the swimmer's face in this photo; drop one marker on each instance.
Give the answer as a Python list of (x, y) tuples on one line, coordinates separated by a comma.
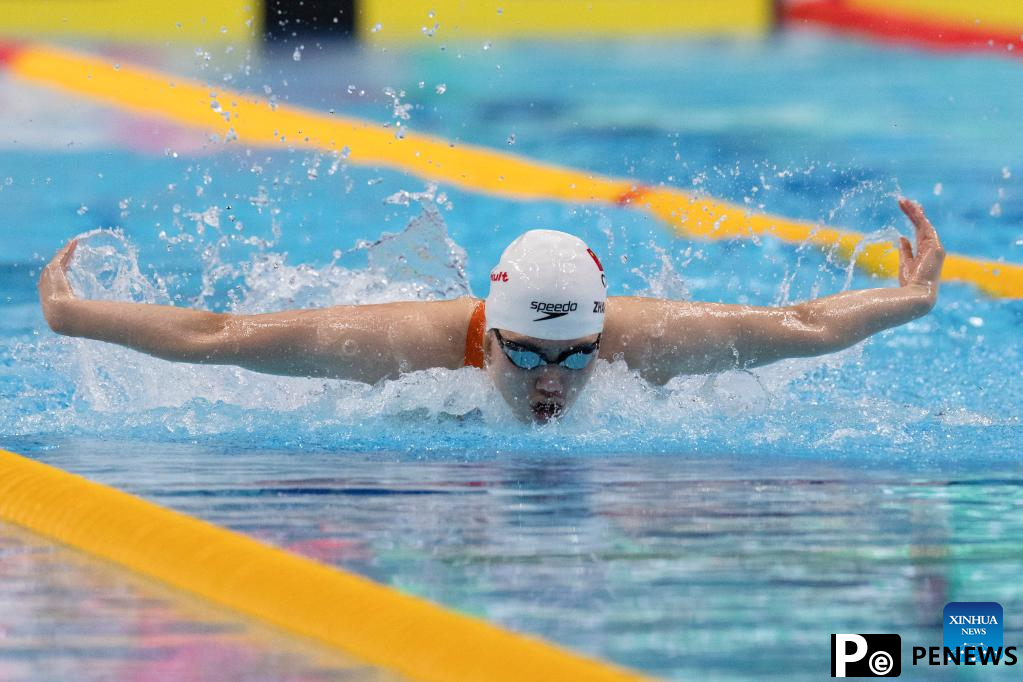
[(545, 392)]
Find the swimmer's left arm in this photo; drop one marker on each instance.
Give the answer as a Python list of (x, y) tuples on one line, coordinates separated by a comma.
[(663, 339)]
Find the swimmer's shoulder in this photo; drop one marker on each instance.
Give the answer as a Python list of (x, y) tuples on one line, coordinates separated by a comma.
[(622, 317), (632, 313), (635, 325), (422, 334), (445, 327), (455, 314), (449, 320), (432, 323)]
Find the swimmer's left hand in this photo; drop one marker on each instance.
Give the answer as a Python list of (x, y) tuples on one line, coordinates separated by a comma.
[(924, 268)]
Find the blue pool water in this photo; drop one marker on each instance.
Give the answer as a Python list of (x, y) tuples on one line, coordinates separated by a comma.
[(720, 526)]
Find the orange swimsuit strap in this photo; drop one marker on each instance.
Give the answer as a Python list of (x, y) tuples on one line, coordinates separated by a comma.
[(474, 336)]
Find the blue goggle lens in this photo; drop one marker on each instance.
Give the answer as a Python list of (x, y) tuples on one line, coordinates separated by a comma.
[(578, 360), (527, 359)]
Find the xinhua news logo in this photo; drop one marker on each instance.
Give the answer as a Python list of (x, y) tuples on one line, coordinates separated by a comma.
[(866, 655), (971, 624)]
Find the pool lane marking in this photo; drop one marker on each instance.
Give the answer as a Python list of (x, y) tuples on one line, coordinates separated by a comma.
[(379, 625), (458, 20), (939, 27), (475, 169), (631, 195), (219, 22), (7, 53)]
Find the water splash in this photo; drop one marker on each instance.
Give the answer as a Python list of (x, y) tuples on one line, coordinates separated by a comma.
[(106, 268), (665, 282)]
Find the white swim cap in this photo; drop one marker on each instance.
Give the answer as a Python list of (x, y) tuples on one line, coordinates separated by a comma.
[(548, 285)]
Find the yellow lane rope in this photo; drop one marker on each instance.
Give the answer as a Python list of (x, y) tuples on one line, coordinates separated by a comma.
[(377, 624), (996, 16), (182, 22), (447, 20), (476, 169)]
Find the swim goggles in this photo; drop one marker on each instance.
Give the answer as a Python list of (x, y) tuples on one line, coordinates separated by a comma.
[(525, 357)]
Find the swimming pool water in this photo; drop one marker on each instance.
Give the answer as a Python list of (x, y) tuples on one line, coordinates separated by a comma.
[(720, 526)]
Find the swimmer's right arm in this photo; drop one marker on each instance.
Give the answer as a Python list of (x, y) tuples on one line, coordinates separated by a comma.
[(359, 343)]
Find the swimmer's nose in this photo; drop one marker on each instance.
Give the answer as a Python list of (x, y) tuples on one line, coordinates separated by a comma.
[(549, 383)]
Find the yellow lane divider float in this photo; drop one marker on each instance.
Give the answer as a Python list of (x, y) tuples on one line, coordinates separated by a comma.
[(377, 624), (253, 121), (407, 21), (209, 21)]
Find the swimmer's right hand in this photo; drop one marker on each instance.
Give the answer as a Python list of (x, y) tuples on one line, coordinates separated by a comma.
[(55, 293)]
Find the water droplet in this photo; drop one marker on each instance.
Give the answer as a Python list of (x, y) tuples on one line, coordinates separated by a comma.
[(441, 88), (297, 55), (937, 189), (82, 210), (511, 139), (376, 28), (1006, 173), (486, 45), (996, 210)]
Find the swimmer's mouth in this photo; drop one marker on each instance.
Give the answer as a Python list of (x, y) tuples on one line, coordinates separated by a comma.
[(545, 412)]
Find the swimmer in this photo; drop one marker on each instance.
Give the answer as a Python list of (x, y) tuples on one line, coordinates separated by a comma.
[(537, 335)]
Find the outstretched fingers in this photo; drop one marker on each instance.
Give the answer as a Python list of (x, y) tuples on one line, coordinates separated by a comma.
[(925, 232), (925, 266), (906, 250), (65, 254), (53, 280)]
